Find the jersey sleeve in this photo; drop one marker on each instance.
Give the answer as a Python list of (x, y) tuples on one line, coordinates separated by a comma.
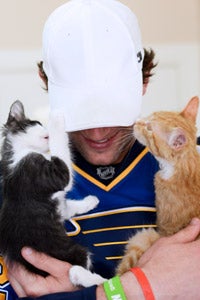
[(6, 290)]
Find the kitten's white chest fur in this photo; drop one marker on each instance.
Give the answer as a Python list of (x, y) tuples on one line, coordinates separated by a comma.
[(35, 139), (166, 168)]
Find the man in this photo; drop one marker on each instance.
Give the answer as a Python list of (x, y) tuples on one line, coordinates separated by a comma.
[(93, 60)]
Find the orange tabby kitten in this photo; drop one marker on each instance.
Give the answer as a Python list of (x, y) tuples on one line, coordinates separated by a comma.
[(171, 138)]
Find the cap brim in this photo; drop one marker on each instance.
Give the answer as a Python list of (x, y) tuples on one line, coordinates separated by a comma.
[(98, 107)]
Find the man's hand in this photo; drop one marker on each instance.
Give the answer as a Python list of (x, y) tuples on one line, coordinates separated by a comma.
[(172, 264), (32, 285)]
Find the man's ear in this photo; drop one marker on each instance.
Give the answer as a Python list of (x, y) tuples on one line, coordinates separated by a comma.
[(42, 74), (145, 85)]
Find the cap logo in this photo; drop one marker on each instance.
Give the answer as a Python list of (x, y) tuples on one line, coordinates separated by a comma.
[(139, 56)]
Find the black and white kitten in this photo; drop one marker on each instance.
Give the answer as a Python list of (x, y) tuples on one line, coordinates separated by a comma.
[(36, 174)]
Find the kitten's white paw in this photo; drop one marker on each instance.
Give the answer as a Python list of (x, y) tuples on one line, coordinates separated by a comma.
[(76, 275), (58, 138), (80, 276), (57, 121), (90, 202), (75, 207)]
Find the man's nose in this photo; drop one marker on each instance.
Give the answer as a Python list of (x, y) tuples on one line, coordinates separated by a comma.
[(97, 133)]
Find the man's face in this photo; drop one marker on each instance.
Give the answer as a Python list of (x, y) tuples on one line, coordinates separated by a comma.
[(103, 146)]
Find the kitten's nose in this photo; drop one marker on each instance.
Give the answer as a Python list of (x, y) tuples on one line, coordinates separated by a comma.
[(148, 125), (139, 122)]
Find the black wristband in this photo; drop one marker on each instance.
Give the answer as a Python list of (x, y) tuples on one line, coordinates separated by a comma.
[(83, 294)]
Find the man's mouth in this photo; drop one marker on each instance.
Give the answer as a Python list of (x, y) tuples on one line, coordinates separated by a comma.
[(100, 144)]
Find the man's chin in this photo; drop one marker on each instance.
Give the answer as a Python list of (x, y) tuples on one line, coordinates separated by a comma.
[(100, 160)]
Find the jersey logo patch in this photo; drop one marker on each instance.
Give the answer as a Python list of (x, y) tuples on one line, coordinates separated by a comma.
[(106, 172)]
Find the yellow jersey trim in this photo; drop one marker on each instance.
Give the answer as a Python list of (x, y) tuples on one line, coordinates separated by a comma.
[(118, 228), (110, 243), (117, 179), (113, 257), (75, 220)]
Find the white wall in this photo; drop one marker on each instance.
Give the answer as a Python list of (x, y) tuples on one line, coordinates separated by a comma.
[(19, 80), (176, 80), (161, 21)]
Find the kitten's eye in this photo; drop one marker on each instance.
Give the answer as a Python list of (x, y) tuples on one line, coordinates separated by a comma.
[(148, 126)]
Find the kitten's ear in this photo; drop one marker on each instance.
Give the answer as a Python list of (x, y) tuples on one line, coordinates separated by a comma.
[(191, 109), (16, 112), (177, 139)]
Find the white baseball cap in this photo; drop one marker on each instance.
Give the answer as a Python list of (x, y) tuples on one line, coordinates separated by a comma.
[(93, 57)]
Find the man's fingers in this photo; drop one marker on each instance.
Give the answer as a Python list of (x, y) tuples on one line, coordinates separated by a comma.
[(23, 282), (44, 262), (189, 233), (15, 284)]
